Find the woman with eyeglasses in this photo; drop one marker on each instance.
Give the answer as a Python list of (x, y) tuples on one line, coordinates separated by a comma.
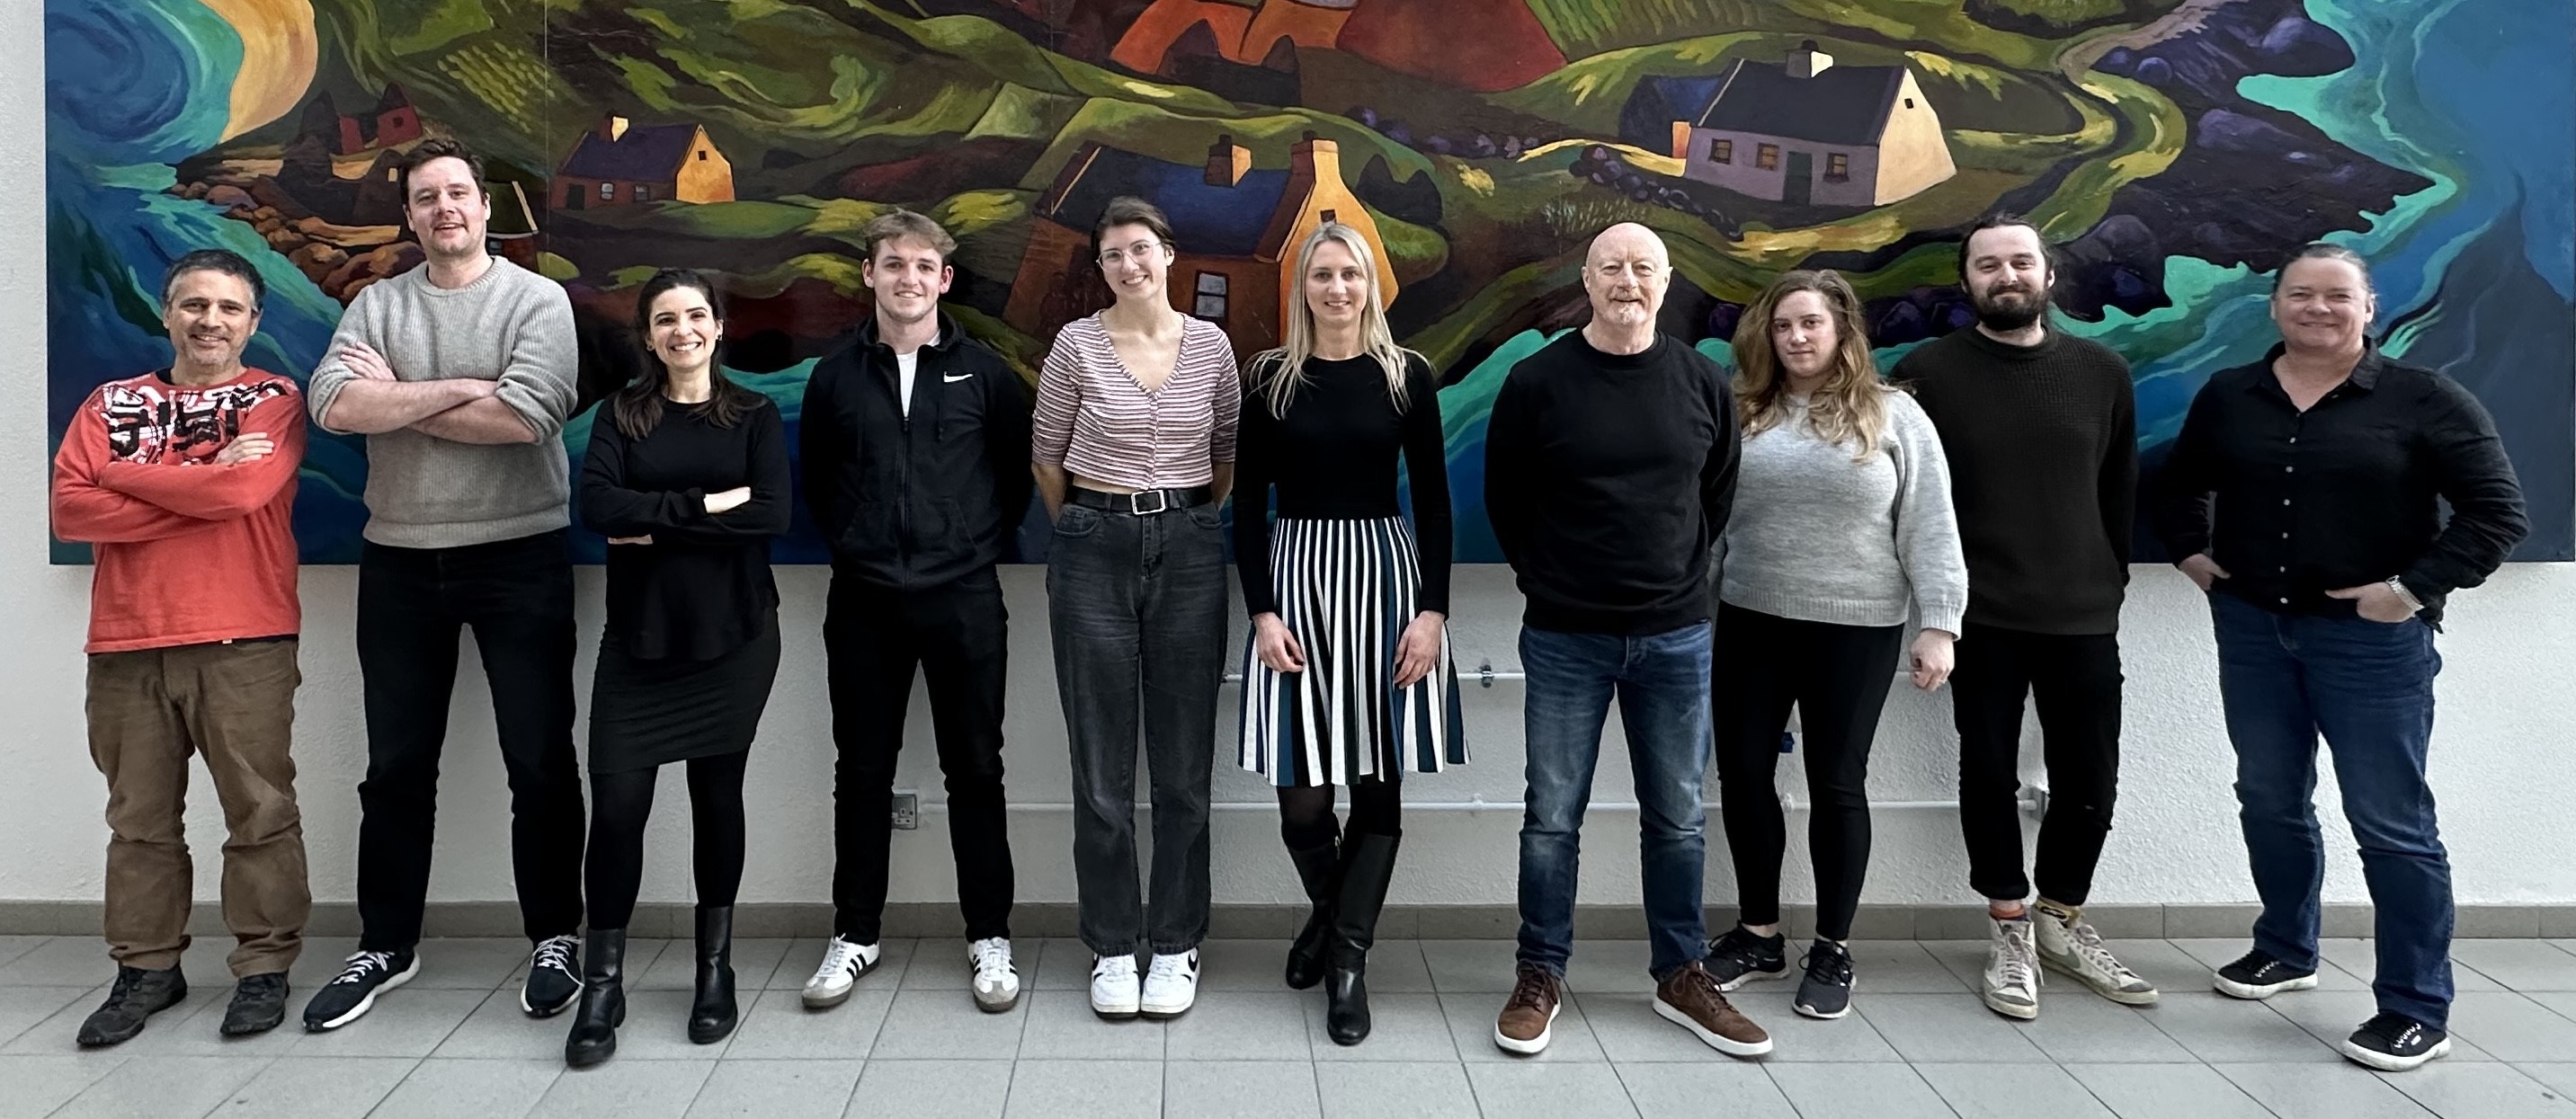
[(1133, 451)]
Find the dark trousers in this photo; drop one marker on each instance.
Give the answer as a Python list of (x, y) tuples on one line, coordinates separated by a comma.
[(517, 594), (873, 638), (1838, 677), (2368, 688), (2075, 679), (622, 803)]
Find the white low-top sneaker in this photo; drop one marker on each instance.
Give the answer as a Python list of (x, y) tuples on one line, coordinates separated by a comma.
[(1171, 985), (843, 963), (1113, 986), (997, 983)]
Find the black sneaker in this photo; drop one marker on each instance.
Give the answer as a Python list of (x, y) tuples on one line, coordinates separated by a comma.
[(136, 995), (1826, 991), (2261, 975), (259, 1004), (554, 977), (2393, 1042), (1739, 957), (354, 990)]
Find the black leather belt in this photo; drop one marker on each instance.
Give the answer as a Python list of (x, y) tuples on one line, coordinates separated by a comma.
[(1144, 503)]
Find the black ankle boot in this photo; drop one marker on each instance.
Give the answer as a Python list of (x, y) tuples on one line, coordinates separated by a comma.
[(713, 1015), (1366, 871), (1320, 869), (603, 999)]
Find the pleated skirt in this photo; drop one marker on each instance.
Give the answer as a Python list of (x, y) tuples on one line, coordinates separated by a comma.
[(1347, 589)]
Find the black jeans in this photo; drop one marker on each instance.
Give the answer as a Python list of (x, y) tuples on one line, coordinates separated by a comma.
[(622, 803), (873, 637), (1838, 676), (2075, 679), (1137, 606), (517, 594)]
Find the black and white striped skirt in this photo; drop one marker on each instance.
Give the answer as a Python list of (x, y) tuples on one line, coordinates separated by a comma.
[(1347, 590)]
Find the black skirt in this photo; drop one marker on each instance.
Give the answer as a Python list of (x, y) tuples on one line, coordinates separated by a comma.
[(644, 713)]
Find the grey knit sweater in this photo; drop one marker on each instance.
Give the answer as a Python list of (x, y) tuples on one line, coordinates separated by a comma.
[(1820, 538)]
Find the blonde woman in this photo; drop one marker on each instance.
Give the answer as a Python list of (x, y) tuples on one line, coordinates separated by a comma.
[(1347, 675), (1842, 530)]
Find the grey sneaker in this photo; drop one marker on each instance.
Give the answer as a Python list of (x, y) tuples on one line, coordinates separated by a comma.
[(2072, 948), (2012, 970)]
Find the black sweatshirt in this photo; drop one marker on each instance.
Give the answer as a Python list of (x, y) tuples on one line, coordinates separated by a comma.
[(703, 587), (2043, 449), (2345, 494), (1608, 478), (1333, 457)]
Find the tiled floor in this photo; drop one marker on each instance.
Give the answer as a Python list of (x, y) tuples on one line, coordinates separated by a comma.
[(910, 1044)]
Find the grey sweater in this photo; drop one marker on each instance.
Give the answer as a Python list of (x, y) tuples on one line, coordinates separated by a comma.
[(509, 325), (1820, 538)]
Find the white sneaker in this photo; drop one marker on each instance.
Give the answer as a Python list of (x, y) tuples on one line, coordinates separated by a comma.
[(843, 964), (997, 983), (2012, 970), (2072, 948), (1171, 985), (1113, 986)]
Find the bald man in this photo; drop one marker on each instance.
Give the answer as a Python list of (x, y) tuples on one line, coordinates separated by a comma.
[(1609, 466)]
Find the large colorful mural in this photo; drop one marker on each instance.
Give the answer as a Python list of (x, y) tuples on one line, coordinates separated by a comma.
[(2176, 150)]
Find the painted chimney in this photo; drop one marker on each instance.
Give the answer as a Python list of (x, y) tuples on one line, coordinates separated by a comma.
[(1227, 162), (612, 128), (1315, 159), (1807, 61)]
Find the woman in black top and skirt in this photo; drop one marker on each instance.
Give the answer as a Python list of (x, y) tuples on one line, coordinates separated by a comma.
[(687, 477), (1347, 680)]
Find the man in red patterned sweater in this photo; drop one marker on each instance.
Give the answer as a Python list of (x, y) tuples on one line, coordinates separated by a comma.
[(183, 480)]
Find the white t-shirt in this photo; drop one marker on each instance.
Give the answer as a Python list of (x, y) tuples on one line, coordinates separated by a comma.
[(906, 366)]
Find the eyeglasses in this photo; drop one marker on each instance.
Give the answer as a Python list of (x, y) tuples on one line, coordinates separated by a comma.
[(1138, 252)]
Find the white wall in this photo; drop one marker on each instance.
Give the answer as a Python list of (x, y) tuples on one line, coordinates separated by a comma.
[(2501, 760)]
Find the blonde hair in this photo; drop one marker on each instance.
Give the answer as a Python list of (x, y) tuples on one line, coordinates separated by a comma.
[(1850, 407), (1276, 374)]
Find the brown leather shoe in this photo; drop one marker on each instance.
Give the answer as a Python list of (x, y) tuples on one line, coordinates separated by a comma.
[(1523, 1026), (1690, 997)]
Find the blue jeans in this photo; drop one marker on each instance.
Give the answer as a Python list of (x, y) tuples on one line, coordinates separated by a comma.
[(2368, 687), (1662, 685)]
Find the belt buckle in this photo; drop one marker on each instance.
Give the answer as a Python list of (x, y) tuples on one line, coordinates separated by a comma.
[(1162, 503)]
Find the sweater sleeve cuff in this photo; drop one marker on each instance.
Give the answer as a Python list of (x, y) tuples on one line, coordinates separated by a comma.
[(1944, 616)]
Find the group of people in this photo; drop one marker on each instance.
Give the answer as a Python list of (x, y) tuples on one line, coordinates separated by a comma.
[(1708, 550)]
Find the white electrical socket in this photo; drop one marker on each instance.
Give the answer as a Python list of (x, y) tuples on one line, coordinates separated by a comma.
[(907, 810)]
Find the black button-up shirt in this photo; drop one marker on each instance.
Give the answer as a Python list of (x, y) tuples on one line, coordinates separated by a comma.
[(2344, 494)]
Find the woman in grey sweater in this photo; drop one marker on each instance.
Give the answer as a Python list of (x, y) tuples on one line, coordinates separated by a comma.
[(1842, 530)]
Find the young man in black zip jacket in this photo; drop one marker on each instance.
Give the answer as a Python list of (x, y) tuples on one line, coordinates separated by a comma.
[(915, 447)]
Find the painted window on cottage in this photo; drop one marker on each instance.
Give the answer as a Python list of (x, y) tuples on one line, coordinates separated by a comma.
[(1767, 157), (1721, 151), (1211, 296), (1837, 167), (608, 192)]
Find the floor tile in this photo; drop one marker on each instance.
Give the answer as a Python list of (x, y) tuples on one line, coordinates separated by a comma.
[(1628, 1029), (942, 1024), (1365, 1090), (1946, 1028), (319, 961), (1241, 1089), (1898, 967), (1397, 968), (2012, 1091), (931, 1090), (12, 947), (162, 1088), (1061, 1026), (2304, 1091), (2563, 1002), (404, 1023), (1092, 1089), (1606, 967), (21, 1008), (499, 1030), (2479, 1091), (2192, 1091), (2332, 1016), (625, 1090), (2214, 954), (2521, 965), (1242, 965), (1531, 1090), (766, 1089), (469, 963), (1712, 1087), (445, 1088), (940, 964), (2356, 958), (2217, 1028), (1241, 1026), (2512, 1027), (2078, 1027), (319, 1087), (74, 961), (1064, 964), (2165, 963), (1798, 1039), (2560, 1078), (1472, 967), (1879, 1091), (675, 968), (39, 1083), (1402, 1027), (779, 1027), (799, 958), (1471, 1028)]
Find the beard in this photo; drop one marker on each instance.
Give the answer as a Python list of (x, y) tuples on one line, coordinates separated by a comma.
[(2010, 309)]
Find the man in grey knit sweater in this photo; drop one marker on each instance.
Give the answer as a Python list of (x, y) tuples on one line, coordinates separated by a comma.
[(461, 374)]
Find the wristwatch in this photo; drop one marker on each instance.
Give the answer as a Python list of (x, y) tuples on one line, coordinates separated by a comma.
[(2397, 586)]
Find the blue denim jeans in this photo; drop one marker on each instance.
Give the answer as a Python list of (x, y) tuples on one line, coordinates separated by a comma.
[(1661, 682), (2368, 688)]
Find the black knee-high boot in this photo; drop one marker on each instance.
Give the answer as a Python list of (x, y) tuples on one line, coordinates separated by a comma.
[(1366, 871), (714, 1013), (603, 999), (1321, 871)]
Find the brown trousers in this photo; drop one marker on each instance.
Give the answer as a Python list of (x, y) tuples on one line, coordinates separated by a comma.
[(235, 704)]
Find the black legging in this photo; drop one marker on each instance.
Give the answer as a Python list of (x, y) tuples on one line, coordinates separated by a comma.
[(1306, 812), (620, 805)]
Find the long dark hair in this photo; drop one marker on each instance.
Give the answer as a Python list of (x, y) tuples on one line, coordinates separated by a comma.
[(638, 407)]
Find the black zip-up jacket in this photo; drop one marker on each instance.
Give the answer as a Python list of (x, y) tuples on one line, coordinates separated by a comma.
[(918, 502)]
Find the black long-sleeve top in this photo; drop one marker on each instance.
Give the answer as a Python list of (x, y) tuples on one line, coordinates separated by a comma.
[(1608, 479), (1333, 457), (2344, 494), (703, 587)]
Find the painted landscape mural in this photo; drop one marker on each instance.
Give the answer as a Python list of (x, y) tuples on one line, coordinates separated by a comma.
[(2175, 150)]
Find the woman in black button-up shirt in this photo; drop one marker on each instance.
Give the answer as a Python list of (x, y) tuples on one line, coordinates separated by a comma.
[(2326, 563)]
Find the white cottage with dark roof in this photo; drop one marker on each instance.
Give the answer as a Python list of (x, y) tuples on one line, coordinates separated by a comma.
[(1809, 132)]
